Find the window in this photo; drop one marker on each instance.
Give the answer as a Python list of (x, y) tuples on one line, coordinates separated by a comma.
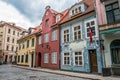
[(72, 12), (47, 22), (13, 40), (66, 35), (22, 58), (23, 46), (46, 58), (115, 52), (76, 10), (39, 40), (13, 32), (18, 58), (27, 43), (46, 38), (54, 35), (79, 8), (78, 59), (9, 31), (29, 30), (57, 18), (12, 48), (23, 34), (26, 58), (112, 12), (18, 34), (77, 33), (54, 58), (90, 25), (7, 48), (16, 48), (66, 59), (116, 55), (8, 39), (19, 46), (33, 41)]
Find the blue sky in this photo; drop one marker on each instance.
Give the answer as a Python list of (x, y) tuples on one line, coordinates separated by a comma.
[(28, 13)]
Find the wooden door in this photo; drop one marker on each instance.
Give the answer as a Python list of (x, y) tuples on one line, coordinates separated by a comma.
[(93, 61), (39, 59)]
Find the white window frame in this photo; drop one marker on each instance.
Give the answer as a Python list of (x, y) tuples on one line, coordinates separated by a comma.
[(96, 27), (78, 60), (54, 57), (75, 25), (46, 58), (46, 38), (63, 35), (54, 35), (40, 40), (66, 56)]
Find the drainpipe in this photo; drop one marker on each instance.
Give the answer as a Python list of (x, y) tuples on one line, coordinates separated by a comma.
[(102, 58)]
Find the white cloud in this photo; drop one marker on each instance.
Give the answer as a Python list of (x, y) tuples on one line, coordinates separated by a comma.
[(11, 14)]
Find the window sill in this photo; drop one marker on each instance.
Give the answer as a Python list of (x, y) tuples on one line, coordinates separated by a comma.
[(54, 40), (78, 66)]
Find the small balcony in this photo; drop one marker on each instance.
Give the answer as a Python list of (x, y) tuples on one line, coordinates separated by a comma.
[(110, 28)]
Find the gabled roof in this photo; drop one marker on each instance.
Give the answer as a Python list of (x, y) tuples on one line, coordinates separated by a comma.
[(36, 30), (90, 8), (66, 17)]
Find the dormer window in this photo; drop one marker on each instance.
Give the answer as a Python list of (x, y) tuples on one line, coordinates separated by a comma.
[(76, 10), (57, 18), (79, 9), (47, 22), (23, 34), (30, 31), (72, 12)]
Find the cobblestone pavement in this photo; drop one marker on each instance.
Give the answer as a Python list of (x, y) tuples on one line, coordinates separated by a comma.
[(7, 72)]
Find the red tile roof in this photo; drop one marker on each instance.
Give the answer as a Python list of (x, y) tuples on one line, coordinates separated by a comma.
[(90, 7), (36, 30)]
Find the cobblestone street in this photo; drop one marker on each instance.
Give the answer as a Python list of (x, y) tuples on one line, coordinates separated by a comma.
[(7, 72)]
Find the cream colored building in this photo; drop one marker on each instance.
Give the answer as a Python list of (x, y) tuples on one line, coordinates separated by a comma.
[(27, 46), (9, 34)]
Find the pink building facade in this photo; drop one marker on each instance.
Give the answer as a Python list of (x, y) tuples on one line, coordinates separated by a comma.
[(47, 47)]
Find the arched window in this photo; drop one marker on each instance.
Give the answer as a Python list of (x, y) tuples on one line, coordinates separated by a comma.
[(115, 51)]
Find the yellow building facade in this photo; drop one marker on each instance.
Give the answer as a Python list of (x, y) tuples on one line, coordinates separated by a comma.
[(26, 51)]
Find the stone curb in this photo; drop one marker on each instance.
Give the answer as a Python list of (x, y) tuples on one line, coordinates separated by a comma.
[(65, 74)]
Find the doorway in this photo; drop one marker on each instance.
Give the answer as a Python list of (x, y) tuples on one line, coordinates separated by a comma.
[(32, 58), (93, 61), (6, 56), (39, 59)]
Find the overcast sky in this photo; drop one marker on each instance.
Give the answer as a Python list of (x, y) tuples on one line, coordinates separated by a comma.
[(28, 13)]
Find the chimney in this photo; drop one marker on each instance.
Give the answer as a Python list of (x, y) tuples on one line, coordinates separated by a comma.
[(47, 7)]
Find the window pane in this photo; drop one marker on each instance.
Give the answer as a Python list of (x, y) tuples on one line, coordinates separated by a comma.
[(117, 12), (92, 23), (115, 5), (108, 8), (88, 24), (110, 17)]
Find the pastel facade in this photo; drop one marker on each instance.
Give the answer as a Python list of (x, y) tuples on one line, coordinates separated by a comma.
[(47, 48), (9, 34), (109, 25), (77, 53), (27, 45)]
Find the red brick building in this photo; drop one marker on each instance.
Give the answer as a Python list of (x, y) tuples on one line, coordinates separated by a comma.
[(47, 46)]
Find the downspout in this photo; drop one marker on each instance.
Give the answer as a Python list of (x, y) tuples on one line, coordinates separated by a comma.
[(98, 32)]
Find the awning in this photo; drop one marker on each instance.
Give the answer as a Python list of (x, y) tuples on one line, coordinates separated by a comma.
[(110, 31)]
